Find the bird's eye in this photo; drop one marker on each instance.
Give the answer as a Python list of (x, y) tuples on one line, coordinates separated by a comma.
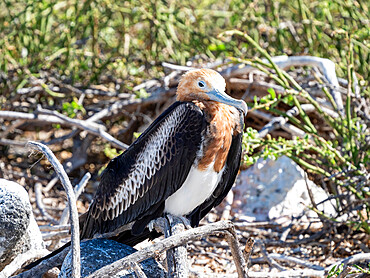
[(201, 84)]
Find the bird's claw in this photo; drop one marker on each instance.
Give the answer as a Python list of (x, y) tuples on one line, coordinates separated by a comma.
[(164, 223), (182, 219), (186, 222), (159, 224)]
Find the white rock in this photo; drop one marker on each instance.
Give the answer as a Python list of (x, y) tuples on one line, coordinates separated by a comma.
[(277, 190)]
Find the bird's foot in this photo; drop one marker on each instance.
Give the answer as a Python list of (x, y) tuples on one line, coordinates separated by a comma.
[(159, 224), (165, 223)]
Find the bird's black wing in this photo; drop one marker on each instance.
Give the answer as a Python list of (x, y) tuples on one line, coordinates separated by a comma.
[(227, 180), (135, 185)]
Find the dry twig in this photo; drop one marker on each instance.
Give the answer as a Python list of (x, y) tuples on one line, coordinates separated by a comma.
[(325, 65), (268, 258), (40, 203), (222, 227), (77, 190), (45, 265), (87, 125), (71, 204), (177, 261), (20, 260)]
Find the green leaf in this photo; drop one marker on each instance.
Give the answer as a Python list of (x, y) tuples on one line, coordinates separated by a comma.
[(272, 93)]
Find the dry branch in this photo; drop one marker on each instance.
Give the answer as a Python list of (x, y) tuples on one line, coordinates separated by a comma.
[(222, 227), (160, 96), (269, 259), (287, 273), (138, 271), (33, 117), (259, 86), (48, 228), (11, 128), (248, 249), (289, 259), (71, 204), (88, 125), (352, 260), (55, 235), (20, 260), (282, 122), (45, 265), (40, 203), (77, 190), (177, 261), (326, 66), (176, 67)]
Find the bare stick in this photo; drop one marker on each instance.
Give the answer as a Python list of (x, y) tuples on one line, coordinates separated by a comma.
[(326, 66), (13, 115), (308, 108), (261, 86), (177, 263), (12, 127), (288, 273), (40, 203), (138, 271), (53, 117), (275, 123), (17, 143), (176, 67), (55, 235), (77, 190), (237, 252), (48, 228), (281, 122), (66, 86), (50, 184), (248, 249), (351, 260), (220, 227), (158, 97), (146, 85), (76, 272), (21, 259), (65, 214), (289, 259), (45, 265), (61, 139), (269, 260), (89, 126)]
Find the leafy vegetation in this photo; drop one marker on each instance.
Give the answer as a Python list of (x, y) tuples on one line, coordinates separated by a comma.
[(84, 41), (342, 160), (71, 108)]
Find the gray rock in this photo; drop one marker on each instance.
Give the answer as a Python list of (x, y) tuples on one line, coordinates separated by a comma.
[(276, 190), (18, 229), (97, 253)]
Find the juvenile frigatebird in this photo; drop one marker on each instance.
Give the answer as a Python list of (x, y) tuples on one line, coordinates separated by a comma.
[(184, 164)]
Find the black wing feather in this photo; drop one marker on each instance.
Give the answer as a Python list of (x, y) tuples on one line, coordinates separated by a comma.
[(178, 153)]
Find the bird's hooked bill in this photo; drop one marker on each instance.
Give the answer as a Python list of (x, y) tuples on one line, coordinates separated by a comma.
[(222, 97)]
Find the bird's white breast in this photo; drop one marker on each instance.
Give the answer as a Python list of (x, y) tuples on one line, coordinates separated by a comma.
[(198, 187)]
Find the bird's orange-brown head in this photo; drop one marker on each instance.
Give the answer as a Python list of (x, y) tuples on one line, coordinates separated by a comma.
[(206, 85)]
